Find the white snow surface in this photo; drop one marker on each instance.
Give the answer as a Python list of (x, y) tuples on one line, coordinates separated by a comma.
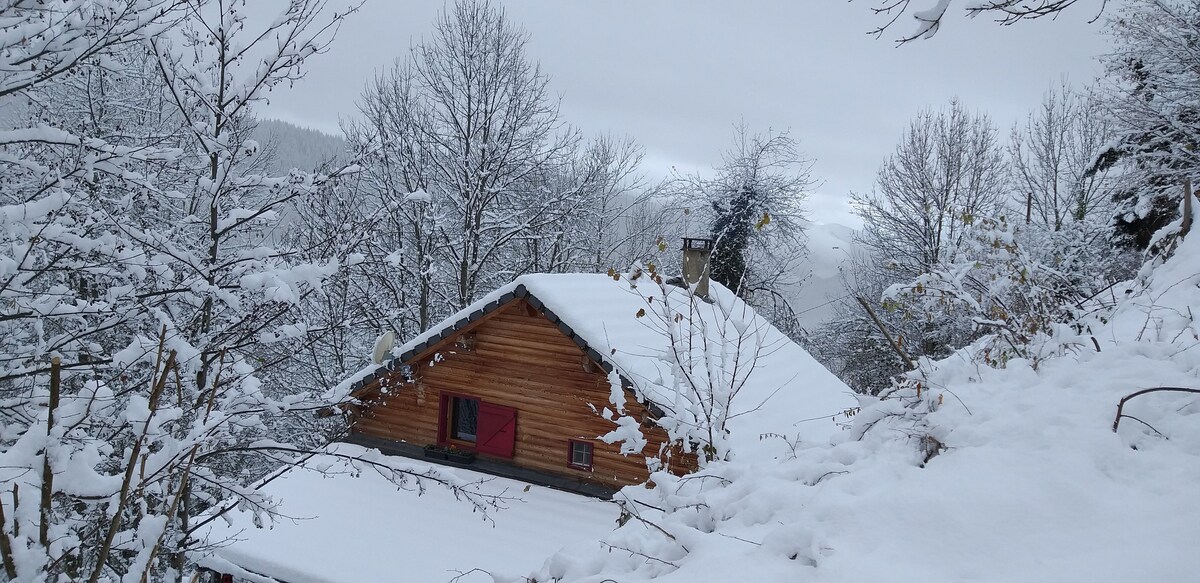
[(348, 528), (1033, 484), (788, 393)]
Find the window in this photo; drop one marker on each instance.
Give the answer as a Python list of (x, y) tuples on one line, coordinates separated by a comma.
[(579, 455), (464, 418)]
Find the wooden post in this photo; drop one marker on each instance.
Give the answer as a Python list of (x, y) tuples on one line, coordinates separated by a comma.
[(10, 568), (1186, 225), (47, 471)]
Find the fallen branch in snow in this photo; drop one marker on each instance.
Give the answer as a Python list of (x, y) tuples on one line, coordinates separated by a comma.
[(908, 361), (627, 513), (1126, 398), (1148, 426), (633, 552), (740, 538), (826, 475)]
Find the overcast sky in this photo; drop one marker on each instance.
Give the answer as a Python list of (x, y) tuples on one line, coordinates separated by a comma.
[(678, 75)]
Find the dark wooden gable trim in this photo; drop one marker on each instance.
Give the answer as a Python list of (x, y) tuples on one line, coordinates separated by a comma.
[(451, 329)]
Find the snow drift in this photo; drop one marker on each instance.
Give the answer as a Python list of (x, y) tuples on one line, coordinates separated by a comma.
[(962, 473)]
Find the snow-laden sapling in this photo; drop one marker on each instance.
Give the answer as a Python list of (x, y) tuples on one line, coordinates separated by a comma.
[(708, 351)]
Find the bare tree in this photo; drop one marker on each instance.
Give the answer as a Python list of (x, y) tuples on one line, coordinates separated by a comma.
[(600, 226), (398, 176), (1053, 155), (948, 167), (486, 125)]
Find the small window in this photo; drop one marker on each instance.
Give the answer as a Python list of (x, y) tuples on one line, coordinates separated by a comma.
[(580, 455), (464, 419)]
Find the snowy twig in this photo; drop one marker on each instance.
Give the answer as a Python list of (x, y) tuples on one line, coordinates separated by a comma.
[(633, 552), (627, 512), (1126, 398), (826, 475)]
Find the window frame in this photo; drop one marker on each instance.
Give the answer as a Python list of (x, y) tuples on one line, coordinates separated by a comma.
[(449, 414), (591, 454)]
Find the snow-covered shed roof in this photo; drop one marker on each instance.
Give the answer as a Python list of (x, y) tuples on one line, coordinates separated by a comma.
[(345, 522), (782, 389)]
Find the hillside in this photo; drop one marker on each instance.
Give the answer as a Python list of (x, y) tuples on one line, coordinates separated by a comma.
[(964, 473), (829, 246), (293, 146)]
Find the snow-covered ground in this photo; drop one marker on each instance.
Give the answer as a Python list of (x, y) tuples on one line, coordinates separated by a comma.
[(356, 526), (1031, 483), (1027, 482)]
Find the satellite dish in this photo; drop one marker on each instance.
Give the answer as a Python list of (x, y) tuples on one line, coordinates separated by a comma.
[(383, 346)]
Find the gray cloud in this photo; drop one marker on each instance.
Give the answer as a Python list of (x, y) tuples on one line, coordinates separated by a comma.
[(678, 75)]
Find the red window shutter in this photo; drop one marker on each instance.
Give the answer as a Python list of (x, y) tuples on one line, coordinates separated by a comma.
[(497, 430)]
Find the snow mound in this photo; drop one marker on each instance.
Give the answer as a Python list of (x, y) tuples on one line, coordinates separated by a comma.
[(970, 474)]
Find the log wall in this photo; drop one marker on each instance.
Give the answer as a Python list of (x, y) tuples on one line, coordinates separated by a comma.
[(521, 360)]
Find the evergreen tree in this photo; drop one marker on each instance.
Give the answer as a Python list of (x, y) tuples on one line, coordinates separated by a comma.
[(763, 180), (732, 229)]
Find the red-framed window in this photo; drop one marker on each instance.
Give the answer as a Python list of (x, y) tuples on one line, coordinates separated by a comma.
[(470, 422), (579, 454)]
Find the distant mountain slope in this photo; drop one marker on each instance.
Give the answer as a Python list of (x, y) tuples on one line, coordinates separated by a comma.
[(829, 245), (298, 147)]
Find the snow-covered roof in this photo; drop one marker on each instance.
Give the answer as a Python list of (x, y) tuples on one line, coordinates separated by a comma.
[(782, 389), (348, 523)]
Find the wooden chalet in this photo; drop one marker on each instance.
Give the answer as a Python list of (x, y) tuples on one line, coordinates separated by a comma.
[(522, 380), (514, 382)]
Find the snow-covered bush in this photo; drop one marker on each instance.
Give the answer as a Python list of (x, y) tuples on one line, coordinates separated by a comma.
[(710, 346), (1012, 285)]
